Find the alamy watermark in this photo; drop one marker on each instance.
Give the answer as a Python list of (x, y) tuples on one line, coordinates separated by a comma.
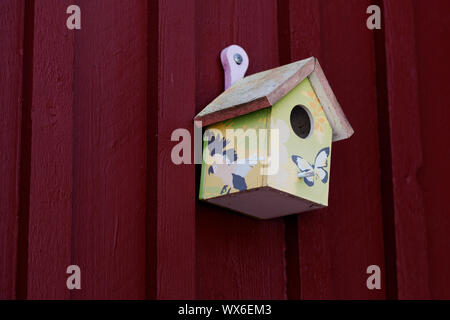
[(74, 20), (74, 280), (374, 20), (252, 146), (374, 280)]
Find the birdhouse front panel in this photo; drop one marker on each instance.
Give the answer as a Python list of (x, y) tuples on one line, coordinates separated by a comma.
[(305, 145)]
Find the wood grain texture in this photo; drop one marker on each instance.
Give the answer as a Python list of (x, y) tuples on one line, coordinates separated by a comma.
[(50, 213), (172, 187), (237, 257), (337, 244), (109, 150), (11, 55), (406, 150), (431, 28)]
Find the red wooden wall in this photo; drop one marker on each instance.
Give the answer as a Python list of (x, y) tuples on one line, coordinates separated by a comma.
[(86, 177)]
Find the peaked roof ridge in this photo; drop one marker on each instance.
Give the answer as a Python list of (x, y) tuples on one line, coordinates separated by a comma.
[(264, 89)]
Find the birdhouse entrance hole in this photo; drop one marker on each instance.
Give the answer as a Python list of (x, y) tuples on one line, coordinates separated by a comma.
[(301, 121)]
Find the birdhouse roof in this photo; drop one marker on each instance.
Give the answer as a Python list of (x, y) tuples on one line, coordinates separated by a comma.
[(264, 89)]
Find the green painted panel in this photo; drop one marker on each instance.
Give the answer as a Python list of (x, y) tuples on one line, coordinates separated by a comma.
[(314, 188)]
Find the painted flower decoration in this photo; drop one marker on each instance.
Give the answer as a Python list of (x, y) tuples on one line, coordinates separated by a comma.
[(318, 114)]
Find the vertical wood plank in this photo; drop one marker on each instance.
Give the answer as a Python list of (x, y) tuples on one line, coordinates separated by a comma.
[(172, 187), (109, 155), (406, 150), (50, 212), (431, 28), (11, 55), (237, 257), (337, 244)]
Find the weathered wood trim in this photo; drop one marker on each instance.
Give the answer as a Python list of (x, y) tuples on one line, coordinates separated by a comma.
[(336, 117)]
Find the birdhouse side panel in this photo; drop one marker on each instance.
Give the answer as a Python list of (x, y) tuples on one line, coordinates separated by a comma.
[(305, 137), (233, 155)]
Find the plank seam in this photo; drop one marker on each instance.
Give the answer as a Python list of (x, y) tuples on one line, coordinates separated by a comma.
[(152, 147), (291, 253), (25, 153), (384, 134), (74, 144)]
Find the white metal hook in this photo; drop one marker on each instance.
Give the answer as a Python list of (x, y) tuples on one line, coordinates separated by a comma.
[(235, 63)]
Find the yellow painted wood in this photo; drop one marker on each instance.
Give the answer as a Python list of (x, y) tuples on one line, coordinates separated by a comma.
[(290, 144)]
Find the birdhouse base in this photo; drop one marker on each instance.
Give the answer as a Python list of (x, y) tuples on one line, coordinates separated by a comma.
[(264, 203)]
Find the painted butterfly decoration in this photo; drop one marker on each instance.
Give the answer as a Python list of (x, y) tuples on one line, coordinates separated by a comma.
[(317, 170)]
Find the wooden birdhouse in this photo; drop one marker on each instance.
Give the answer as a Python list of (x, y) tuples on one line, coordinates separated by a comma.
[(267, 142)]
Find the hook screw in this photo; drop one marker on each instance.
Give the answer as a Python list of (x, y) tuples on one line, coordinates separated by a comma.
[(237, 58)]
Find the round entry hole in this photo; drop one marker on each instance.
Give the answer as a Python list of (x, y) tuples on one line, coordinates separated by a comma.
[(301, 121)]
